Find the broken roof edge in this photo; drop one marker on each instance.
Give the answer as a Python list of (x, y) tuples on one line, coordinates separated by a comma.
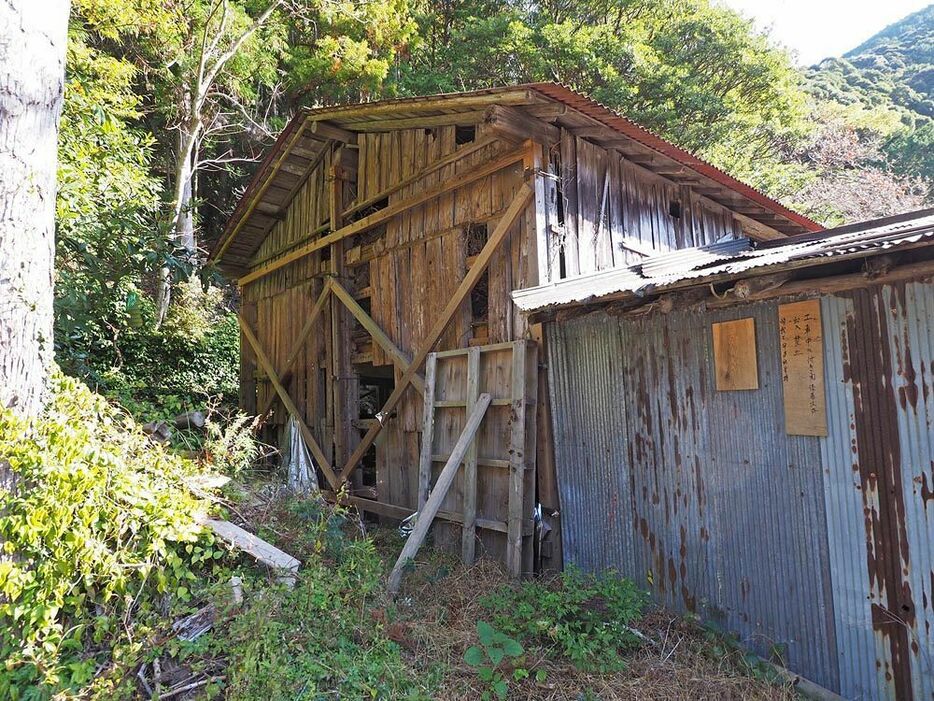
[(861, 240)]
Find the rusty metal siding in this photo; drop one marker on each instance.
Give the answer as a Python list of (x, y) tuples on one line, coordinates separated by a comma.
[(911, 340), (809, 548), (857, 648)]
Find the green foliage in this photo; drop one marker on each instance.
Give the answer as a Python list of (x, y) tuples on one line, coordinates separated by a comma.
[(494, 649), (583, 617), (160, 372), (319, 640), (230, 445), (104, 528), (693, 71)]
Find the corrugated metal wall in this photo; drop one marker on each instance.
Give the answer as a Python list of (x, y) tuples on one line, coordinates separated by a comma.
[(816, 551)]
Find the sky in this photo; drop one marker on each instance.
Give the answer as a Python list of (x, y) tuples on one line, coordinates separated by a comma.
[(819, 29)]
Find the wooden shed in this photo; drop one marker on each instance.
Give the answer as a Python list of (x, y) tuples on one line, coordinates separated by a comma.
[(376, 249)]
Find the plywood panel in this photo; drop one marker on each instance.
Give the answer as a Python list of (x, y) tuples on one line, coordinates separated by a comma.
[(734, 350)]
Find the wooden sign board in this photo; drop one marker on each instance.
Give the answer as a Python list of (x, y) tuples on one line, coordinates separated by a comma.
[(802, 352), (734, 352)]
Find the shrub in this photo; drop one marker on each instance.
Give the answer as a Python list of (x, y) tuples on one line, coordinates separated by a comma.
[(153, 372), (230, 443), (586, 617), (99, 529)]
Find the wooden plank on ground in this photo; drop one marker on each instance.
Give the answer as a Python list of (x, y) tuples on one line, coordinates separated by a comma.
[(427, 515), (257, 548)]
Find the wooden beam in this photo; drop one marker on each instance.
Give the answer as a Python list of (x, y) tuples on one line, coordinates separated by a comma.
[(460, 180), (327, 131), (440, 163), (428, 431), (350, 115), (286, 372), (426, 515), (366, 321), (437, 120), (518, 205), (517, 125), (469, 528), (266, 364), (516, 498)]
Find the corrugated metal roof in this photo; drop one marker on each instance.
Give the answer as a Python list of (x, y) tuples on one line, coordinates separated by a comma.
[(724, 261)]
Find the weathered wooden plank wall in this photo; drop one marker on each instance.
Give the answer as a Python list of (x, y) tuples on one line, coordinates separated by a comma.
[(616, 211)]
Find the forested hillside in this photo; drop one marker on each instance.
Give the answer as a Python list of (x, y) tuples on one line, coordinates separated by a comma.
[(892, 73)]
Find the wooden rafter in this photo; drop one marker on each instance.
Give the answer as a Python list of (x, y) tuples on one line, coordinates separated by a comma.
[(516, 208)]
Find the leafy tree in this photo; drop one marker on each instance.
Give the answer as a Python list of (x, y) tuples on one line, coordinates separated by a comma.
[(695, 72)]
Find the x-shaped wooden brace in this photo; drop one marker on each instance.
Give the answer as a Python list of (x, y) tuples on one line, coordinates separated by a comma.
[(279, 380), (516, 207), (409, 369)]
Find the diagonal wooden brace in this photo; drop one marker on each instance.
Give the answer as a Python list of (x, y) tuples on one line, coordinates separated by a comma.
[(516, 207), (286, 373), (428, 511), (266, 364), (399, 358)]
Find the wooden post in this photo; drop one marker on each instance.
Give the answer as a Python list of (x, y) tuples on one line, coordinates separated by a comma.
[(428, 431), (516, 461), (469, 530), (343, 388), (427, 515)]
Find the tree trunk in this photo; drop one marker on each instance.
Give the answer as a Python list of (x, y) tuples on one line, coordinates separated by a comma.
[(32, 67), (183, 223)]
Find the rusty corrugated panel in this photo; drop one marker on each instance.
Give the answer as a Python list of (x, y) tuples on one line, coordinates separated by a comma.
[(726, 514), (858, 650), (910, 308), (819, 551)]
